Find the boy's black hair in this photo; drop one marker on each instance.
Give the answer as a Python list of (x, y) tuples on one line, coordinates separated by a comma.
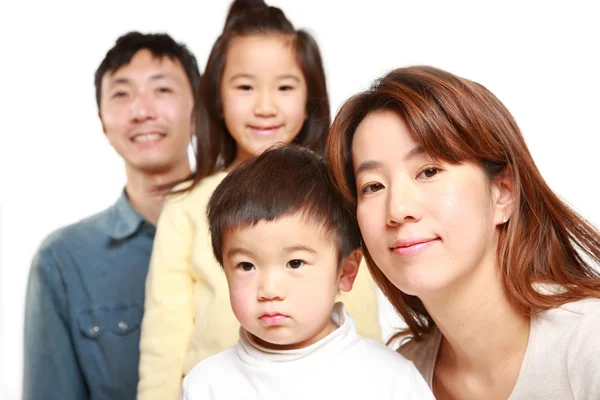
[(280, 182)]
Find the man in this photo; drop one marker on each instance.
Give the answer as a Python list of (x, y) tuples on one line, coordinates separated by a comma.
[(86, 287)]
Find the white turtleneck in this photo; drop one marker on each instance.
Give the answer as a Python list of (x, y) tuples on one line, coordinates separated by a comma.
[(342, 365)]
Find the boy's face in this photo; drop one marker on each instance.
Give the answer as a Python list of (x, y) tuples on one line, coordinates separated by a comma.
[(283, 278)]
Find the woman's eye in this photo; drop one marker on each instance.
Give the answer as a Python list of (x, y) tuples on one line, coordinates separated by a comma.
[(246, 266), (372, 188), (285, 88), (295, 264), (244, 87), (165, 90), (428, 173)]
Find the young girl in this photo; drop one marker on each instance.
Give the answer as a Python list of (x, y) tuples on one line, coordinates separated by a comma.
[(263, 84), (492, 272)]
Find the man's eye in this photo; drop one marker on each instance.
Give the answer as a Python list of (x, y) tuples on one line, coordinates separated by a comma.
[(246, 266), (295, 264), (119, 94)]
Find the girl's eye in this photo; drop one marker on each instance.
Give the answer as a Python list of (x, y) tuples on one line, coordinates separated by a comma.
[(286, 88), (119, 94), (372, 188), (246, 266), (428, 173), (244, 87), (295, 264)]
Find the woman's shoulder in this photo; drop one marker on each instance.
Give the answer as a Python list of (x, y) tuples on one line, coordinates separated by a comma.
[(567, 337), (422, 352), (586, 310), (412, 348)]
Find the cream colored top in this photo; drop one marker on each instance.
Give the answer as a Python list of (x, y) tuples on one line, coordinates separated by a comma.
[(188, 315), (562, 360)]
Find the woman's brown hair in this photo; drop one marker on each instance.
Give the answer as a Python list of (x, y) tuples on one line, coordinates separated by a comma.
[(456, 121), (214, 145)]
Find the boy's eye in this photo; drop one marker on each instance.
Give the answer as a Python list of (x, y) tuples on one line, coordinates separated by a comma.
[(244, 87), (372, 188), (295, 264), (428, 173), (246, 266)]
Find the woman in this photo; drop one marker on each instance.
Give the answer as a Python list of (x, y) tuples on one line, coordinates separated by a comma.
[(491, 271)]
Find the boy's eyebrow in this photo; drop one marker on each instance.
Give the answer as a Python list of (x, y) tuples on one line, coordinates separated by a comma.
[(300, 247), (238, 250)]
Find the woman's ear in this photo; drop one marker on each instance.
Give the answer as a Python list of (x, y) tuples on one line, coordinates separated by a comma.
[(503, 196), (348, 270)]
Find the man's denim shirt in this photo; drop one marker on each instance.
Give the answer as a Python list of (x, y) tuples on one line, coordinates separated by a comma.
[(84, 308)]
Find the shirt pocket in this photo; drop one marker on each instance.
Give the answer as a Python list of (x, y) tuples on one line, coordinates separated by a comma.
[(109, 346), (118, 320)]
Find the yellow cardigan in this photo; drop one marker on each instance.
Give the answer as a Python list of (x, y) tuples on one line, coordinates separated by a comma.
[(187, 314)]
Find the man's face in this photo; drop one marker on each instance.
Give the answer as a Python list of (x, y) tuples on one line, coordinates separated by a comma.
[(146, 113)]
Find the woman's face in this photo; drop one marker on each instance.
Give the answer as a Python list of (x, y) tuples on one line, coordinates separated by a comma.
[(429, 226)]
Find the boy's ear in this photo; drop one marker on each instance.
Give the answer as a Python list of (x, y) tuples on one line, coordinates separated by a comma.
[(349, 269)]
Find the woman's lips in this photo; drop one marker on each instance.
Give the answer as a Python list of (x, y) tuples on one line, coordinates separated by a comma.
[(412, 246)]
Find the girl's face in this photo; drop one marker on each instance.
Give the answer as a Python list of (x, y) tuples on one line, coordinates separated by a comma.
[(429, 226), (263, 93)]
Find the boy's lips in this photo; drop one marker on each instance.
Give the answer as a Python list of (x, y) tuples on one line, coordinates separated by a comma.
[(272, 319)]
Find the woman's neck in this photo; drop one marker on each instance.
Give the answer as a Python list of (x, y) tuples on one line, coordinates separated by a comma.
[(484, 336)]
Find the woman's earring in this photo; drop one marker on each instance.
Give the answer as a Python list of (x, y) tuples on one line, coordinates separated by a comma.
[(505, 219)]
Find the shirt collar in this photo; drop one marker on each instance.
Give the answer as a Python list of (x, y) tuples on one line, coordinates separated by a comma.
[(124, 220)]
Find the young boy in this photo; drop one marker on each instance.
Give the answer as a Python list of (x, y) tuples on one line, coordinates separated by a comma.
[(287, 246)]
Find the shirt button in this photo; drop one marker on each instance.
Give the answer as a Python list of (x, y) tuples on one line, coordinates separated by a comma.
[(94, 329), (122, 325)]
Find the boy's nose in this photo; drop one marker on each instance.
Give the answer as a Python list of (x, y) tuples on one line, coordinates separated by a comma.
[(270, 288)]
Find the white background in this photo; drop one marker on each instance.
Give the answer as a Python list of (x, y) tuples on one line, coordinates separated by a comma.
[(539, 57)]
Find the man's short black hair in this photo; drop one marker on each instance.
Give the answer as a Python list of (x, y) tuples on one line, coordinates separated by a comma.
[(159, 44)]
